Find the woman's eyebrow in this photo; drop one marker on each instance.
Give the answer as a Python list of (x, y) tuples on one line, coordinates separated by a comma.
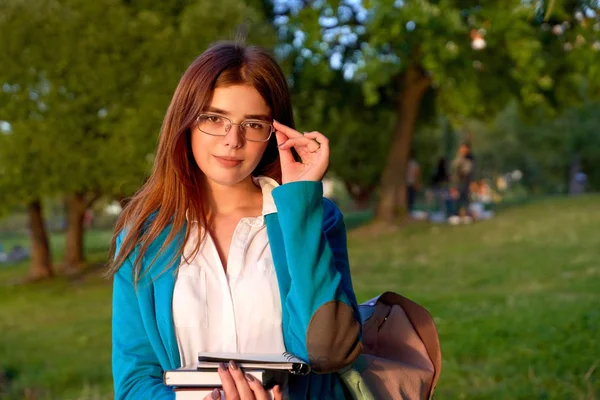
[(262, 117), (258, 116), (216, 110)]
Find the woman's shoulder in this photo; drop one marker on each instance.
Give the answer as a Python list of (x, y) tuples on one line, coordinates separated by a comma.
[(129, 223), (156, 243)]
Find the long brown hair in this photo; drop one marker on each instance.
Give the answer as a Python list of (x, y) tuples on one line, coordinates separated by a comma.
[(175, 185)]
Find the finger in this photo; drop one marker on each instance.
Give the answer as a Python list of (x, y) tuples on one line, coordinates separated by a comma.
[(257, 388), (306, 141), (311, 144), (281, 138), (228, 383), (277, 393), (296, 142), (241, 383), (214, 395), (317, 136), (320, 139), (286, 130), (285, 155)]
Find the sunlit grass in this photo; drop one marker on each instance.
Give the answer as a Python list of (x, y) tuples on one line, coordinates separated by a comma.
[(516, 301)]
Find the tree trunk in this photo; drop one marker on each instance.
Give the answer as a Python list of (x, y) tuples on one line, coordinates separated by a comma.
[(76, 207), (41, 260), (391, 206)]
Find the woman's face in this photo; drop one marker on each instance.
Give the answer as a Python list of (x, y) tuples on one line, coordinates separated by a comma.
[(230, 159)]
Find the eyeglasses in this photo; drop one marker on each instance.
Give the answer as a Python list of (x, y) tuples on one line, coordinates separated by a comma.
[(253, 130)]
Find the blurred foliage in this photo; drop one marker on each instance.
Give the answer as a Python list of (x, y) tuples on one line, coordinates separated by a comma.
[(358, 133), (544, 149), (375, 41), (63, 105), (546, 60), (86, 85)]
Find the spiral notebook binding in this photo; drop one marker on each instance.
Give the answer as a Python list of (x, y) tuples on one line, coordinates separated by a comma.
[(288, 356), (298, 368)]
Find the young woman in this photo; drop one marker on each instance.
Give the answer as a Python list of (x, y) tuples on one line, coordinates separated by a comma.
[(230, 246)]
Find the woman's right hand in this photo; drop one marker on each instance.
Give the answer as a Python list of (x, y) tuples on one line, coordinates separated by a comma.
[(240, 386)]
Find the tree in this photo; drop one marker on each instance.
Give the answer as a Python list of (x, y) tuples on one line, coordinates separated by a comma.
[(543, 149), (324, 100), (23, 168), (26, 165), (86, 110), (476, 55), (76, 82)]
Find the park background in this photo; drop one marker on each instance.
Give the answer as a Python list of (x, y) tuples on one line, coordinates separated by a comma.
[(83, 89)]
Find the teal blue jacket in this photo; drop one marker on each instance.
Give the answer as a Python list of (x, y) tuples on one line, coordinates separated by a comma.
[(320, 319)]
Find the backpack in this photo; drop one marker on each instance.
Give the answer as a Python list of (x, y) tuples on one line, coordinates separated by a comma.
[(401, 358)]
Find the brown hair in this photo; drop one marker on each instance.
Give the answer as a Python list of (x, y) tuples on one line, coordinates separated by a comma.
[(175, 184)]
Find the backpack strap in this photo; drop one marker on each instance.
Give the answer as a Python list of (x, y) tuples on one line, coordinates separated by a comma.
[(424, 326)]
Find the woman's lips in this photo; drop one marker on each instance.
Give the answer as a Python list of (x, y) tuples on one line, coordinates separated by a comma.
[(228, 162)]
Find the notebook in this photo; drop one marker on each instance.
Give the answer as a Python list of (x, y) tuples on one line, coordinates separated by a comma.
[(194, 377), (284, 362), (199, 394), (193, 393)]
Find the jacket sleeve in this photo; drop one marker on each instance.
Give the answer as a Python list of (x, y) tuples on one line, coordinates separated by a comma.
[(137, 373), (324, 322)]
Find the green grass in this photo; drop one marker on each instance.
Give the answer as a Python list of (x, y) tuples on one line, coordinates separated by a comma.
[(55, 336), (516, 301)]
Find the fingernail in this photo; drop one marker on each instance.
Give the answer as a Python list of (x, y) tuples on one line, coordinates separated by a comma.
[(216, 394), (233, 365), (223, 367), (249, 378)]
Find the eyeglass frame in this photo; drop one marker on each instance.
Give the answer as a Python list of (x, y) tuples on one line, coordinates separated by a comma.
[(231, 123)]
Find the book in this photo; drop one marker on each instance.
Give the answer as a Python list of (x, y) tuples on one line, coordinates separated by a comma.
[(194, 377), (192, 393), (248, 361), (199, 394)]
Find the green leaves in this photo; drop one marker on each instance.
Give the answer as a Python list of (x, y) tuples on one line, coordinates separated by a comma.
[(542, 147), (477, 56), (359, 134), (86, 84), (521, 55)]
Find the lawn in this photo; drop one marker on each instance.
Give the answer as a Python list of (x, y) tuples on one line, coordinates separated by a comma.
[(516, 301)]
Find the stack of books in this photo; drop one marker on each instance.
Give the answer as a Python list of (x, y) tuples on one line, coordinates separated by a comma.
[(198, 381)]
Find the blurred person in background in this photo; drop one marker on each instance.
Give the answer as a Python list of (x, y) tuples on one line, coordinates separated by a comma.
[(3, 255), (440, 182), (463, 168), (413, 183), (577, 178), (230, 246)]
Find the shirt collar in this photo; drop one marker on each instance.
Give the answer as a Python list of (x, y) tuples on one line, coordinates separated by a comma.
[(267, 185)]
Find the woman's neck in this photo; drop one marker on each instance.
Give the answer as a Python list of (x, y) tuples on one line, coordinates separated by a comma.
[(224, 200)]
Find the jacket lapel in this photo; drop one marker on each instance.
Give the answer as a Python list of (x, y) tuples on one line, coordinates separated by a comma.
[(164, 284), (281, 269)]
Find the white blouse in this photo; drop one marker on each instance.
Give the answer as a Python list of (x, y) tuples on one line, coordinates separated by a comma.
[(235, 311)]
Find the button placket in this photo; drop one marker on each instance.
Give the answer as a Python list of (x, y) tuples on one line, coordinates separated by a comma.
[(239, 244), (227, 310)]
